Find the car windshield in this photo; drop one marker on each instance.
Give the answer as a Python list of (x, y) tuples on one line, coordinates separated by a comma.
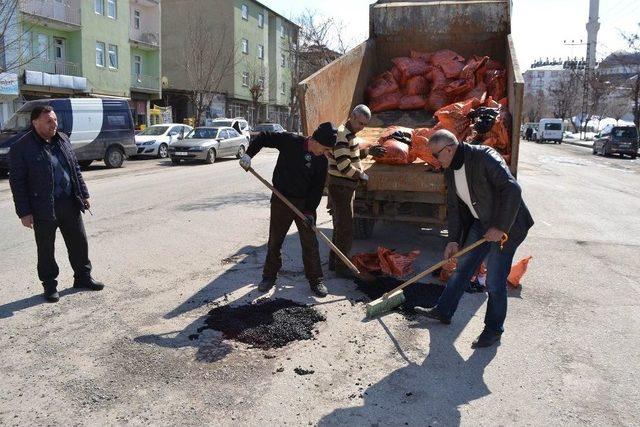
[(227, 123), (552, 126), (18, 122), (264, 128), (627, 132), (154, 130), (202, 133)]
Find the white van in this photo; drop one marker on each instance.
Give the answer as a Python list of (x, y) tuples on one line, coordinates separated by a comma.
[(550, 130)]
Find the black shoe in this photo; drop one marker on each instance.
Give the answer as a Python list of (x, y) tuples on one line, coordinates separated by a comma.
[(318, 288), (486, 339), (51, 293), (89, 283), (432, 313), (266, 284)]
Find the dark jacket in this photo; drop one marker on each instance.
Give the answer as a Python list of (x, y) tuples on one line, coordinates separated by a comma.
[(495, 195), (31, 176), (298, 173)]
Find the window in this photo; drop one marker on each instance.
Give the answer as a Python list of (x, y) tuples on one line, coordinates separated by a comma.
[(112, 11), (118, 120), (284, 88), (43, 46), (100, 54), (260, 51), (245, 12), (27, 45), (224, 134), (245, 46), (260, 20), (99, 6), (233, 133), (245, 79), (137, 65), (136, 19), (113, 56), (281, 31), (283, 60)]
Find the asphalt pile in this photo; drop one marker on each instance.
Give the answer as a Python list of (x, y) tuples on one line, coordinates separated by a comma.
[(265, 324), (418, 294)]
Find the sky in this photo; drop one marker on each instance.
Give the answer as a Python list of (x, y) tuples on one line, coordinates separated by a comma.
[(539, 27)]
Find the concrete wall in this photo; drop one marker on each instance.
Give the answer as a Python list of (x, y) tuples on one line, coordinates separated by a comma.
[(103, 80)]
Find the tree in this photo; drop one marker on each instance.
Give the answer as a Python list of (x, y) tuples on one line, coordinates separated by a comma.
[(633, 84), (256, 73), (535, 106), (16, 49), (618, 107), (599, 89), (209, 56), (310, 51), (565, 95)]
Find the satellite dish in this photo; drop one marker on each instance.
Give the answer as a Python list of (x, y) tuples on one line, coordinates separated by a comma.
[(165, 82)]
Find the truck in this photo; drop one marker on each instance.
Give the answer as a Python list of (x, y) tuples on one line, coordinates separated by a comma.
[(410, 193)]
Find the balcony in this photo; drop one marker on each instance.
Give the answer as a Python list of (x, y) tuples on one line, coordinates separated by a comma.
[(145, 83), (54, 67), (59, 14), (55, 74), (145, 39)]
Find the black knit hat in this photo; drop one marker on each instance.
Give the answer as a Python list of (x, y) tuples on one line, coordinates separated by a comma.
[(325, 135)]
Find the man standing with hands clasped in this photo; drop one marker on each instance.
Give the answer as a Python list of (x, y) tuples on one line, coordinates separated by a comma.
[(483, 200), (300, 174), (49, 193)]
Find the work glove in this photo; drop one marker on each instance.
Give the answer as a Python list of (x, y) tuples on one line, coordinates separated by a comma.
[(245, 162), (377, 151), (310, 220), (403, 137)]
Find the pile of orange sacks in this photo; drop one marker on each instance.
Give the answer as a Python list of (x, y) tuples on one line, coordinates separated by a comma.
[(433, 80)]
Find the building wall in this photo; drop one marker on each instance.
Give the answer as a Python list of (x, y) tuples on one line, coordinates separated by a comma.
[(72, 42), (250, 63), (103, 80)]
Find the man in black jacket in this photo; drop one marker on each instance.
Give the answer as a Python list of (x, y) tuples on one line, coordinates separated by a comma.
[(49, 192), (300, 174), (483, 200)]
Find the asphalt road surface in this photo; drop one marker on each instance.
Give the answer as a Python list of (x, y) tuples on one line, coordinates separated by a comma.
[(169, 241)]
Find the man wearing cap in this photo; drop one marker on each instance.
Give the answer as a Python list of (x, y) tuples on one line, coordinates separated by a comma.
[(300, 174)]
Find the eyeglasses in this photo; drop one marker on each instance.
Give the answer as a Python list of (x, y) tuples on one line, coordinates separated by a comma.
[(440, 151)]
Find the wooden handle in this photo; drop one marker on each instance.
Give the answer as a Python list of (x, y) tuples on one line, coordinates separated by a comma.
[(432, 269), (295, 210)]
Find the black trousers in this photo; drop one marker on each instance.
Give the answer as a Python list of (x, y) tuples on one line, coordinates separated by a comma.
[(69, 220)]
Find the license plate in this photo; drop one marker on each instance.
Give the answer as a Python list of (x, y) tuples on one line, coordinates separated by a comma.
[(180, 153)]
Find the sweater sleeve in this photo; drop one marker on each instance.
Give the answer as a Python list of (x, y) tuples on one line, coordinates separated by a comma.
[(275, 140), (342, 153)]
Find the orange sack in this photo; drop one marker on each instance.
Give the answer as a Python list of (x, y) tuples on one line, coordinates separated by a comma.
[(416, 86), (425, 56), (449, 61), (412, 102), (386, 261), (381, 85), (517, 271), (496, 82), (388, 101), (453, 117), (420, 149), (410, 67)]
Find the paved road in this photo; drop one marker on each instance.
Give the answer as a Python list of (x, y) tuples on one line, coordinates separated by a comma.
[(169, 240)]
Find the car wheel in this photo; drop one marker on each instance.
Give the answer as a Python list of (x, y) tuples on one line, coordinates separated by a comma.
[(593, 150), (211, 156), (175, 161), (241, 152), (114, 157), (85, 163), (633, 156), (163, 151)]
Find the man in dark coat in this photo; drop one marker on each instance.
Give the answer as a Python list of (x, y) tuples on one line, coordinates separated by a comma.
[(49, 193), (483, 200), (300, 174)]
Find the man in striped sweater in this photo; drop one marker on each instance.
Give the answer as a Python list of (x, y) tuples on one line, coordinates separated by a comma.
[(345, 172)]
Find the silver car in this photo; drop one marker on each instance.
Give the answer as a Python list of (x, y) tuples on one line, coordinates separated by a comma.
[(208, 144)]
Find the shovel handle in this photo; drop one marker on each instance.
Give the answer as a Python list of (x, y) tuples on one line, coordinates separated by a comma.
[(300, 215)]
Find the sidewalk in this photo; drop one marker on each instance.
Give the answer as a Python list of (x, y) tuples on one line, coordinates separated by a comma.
[(579, 142)]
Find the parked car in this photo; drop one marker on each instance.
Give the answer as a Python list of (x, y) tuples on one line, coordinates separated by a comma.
[(266, 127), (550, 130), (621, 140), (99, 129), (154, 140), (208, 144), (239, 124)]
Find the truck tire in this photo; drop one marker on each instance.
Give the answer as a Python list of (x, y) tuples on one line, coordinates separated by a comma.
[(363, 227), (114, 157)]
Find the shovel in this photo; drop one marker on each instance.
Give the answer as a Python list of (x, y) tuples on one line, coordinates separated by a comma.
[(362, 275)]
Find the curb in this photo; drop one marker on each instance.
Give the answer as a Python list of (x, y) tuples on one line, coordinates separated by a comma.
[(579, 144)]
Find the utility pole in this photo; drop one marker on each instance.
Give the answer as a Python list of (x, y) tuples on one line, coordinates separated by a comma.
[(592, 36)]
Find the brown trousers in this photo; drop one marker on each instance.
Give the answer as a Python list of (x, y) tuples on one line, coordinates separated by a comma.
[(279, 224), (342, 193)]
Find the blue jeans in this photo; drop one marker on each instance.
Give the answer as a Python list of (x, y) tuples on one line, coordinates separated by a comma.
[(498, 268)]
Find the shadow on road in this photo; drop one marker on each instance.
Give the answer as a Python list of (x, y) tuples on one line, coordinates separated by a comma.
[(9, 309)]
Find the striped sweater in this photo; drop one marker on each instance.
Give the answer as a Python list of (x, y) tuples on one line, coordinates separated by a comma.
[(345, 162)]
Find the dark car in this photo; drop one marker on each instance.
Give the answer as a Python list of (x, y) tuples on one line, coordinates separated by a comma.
[(99, 129), (622, 140), (266, 127)]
